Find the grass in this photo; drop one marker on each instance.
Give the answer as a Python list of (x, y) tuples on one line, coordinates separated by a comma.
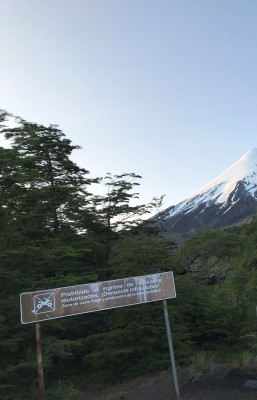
[(54, 392), (247, 364), (202, 362)]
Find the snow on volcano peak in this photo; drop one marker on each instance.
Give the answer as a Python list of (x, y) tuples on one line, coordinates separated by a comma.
[(244, 169), (230, 198), (219, 189)]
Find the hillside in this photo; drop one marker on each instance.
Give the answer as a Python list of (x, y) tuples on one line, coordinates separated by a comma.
[(228, 199)]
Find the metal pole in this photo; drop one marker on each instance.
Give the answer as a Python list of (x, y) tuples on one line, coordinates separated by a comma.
[(40, 364), (172, 359)]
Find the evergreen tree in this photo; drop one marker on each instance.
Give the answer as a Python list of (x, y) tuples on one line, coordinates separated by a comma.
[(42, 195), (50, 185), (53, 233)]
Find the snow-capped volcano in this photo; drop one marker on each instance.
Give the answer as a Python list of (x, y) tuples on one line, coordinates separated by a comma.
[(229, 198)]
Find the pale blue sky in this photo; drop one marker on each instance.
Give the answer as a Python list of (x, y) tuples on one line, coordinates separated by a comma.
[(166, 89)]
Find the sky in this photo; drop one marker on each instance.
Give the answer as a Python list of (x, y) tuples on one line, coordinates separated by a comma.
[(166, 89)]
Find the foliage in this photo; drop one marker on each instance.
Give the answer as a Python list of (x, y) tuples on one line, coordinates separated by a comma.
[(54, 232), (202, 362), (140, 254), (247, 364), (57, 391), (115, 210), (136, 342)]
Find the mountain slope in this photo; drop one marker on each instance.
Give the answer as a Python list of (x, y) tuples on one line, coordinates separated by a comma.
[(228, 199)]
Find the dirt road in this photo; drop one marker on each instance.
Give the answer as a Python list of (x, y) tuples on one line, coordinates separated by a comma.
[(220, 384)]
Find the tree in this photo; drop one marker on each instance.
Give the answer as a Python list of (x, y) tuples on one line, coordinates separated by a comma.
[(50, 185), (42, 245), (160, 215), (54, 233), (141, 254), (114, 208), (116, 212)]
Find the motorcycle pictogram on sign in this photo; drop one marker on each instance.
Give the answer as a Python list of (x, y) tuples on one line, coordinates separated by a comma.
[(43, 303)]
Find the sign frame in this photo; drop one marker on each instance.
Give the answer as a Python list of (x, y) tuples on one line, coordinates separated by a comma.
[(55, 303)]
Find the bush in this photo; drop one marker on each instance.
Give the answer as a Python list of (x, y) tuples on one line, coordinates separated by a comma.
[(202, 362), (54, 392), (247, 364)]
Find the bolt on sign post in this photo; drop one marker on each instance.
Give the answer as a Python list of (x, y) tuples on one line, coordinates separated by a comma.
[(73, 300)]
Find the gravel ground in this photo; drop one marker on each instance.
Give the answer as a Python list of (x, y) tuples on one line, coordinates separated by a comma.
[(219, 384)]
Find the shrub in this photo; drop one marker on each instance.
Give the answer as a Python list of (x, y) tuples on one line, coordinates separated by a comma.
[(202, 362), (247, 364)]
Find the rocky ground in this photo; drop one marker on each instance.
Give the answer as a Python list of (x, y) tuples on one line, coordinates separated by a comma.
[(221, 383)]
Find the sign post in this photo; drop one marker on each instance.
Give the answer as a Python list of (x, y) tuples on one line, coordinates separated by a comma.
[(40, 364), (74, 300), (172, 358)]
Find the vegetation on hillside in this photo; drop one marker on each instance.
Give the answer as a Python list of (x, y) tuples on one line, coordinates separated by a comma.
[(55, 232)]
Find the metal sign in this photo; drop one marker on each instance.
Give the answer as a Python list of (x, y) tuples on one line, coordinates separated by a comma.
[(72, 300)]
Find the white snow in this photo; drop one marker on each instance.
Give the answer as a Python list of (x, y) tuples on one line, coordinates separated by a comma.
[(219, 189), (234, 202), (246, 167)]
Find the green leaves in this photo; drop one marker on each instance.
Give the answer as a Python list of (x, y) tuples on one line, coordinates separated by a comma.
[(140, 254), (115, 210), (54, 233), (45, 183)]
